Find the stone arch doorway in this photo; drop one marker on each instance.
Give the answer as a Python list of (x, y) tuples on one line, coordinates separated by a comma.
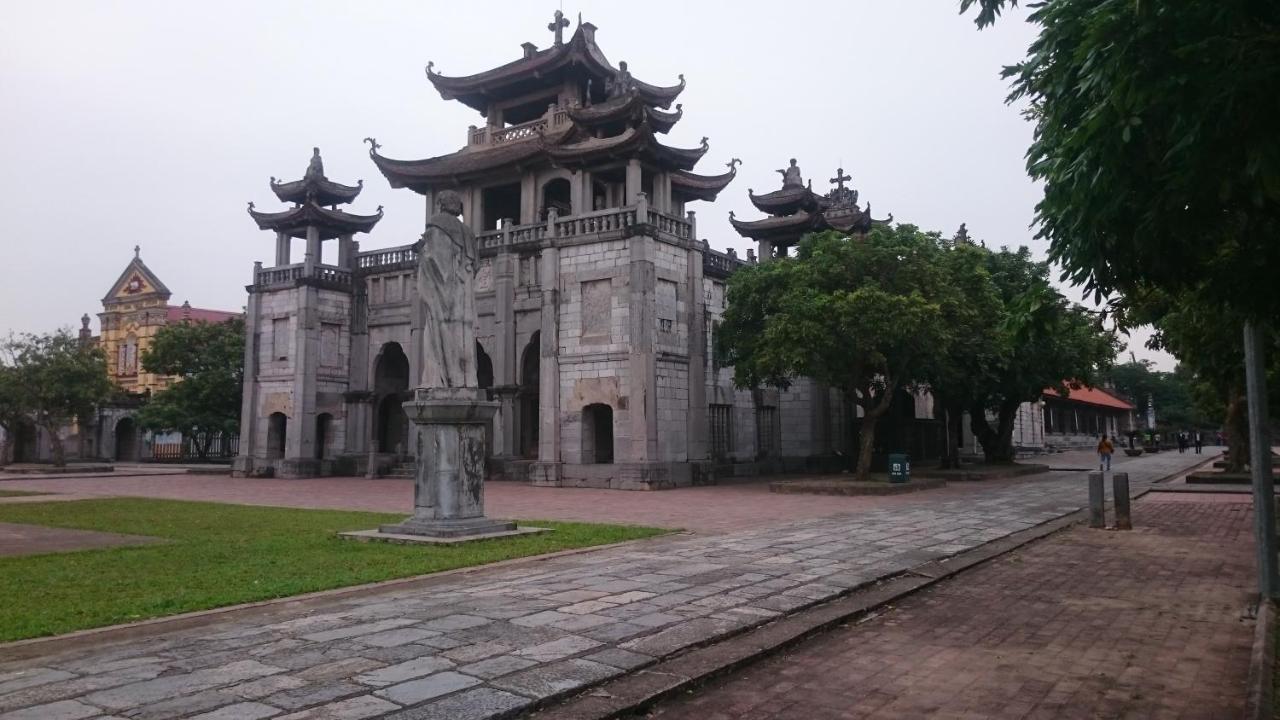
[(597, 434), (126, 440), (484, 368), (324, 434), (529, 400), (556, 194), (277, 432), (390, 383)]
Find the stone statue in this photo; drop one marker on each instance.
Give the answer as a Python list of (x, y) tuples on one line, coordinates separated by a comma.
[(621, 82), (447, 255), (315, 169), (791, 175)]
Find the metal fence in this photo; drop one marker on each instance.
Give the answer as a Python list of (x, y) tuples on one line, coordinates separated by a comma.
[(219, 447)]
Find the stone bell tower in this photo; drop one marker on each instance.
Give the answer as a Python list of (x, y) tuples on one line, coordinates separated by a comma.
[(298, 331)]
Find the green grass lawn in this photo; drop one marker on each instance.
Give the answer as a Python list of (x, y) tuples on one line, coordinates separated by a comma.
[(220, 554)]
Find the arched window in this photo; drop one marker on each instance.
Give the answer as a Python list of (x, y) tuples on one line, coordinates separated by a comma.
[(555, 194)]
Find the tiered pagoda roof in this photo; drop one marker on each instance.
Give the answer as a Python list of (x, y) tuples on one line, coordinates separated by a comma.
[(617, 117), (315, 198), (541, 68), (795, 209)]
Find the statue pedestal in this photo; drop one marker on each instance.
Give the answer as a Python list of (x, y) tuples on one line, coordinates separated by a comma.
[(449, 442)]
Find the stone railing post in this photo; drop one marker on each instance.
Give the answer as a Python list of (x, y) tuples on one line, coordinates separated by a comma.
[(1097, 501), (506, 232), (642, 208), (552, 217), (257, 270), (1120, 493), (693, 225)]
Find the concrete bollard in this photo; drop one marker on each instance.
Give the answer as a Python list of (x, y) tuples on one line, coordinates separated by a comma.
[(1097, 501), (1120, 491)]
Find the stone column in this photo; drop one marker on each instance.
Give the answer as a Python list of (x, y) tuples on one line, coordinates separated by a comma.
[(579, 193), (283, 248), (547, 470), (505, 354), (697, 407), (249, 394), (301, 433), (765, 250), (529, 199), (346, 252), (642, 365), (634, 184)]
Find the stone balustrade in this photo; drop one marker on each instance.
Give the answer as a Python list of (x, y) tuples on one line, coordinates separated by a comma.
[(555, 118), (376, 259), (291, 274)]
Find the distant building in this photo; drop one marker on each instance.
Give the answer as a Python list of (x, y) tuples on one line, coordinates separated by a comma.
[(1074, 422), (133, 311)]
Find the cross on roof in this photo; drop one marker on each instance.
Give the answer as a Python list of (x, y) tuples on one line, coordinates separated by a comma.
[(137, 251), (557, 26), (840, 178)]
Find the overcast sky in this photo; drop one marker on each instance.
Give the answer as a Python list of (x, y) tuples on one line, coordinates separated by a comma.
[(153, 123)]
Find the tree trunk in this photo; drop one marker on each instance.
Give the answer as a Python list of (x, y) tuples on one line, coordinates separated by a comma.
[(6, 448), (59, 455), (1237, 432), (997, 442), (952, 433), (871, 413)]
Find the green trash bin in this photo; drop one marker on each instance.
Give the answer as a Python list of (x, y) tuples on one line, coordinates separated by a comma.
[(899, 467)]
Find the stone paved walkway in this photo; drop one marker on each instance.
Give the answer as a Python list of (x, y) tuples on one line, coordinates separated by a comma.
[(717, 509), (494, 640), (1084, 624)]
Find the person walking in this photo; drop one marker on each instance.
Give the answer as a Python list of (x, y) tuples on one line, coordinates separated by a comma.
[(1105, 449), (1182, 442), (1199, 442)]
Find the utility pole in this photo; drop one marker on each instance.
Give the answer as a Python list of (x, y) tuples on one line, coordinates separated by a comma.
[(1264, 504)]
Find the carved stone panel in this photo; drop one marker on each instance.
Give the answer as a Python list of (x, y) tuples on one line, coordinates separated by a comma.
[(597, 311)]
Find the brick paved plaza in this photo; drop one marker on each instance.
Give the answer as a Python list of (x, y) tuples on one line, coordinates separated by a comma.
[(715, 509), (488, 641), (1085, 624)]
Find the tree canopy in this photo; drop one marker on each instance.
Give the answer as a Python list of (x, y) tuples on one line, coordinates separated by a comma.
[(209, 360), (52, 380), (1154, 139), (861, 314)]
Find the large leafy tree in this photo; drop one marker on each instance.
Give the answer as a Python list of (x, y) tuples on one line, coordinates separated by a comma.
[(1044, 341), (13, 413), (861, 314), (53, 380), (960, 376), (1155, 141), (208, 358), (1173, 393)]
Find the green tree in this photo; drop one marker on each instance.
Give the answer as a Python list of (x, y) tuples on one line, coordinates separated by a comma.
[(958, 377), (1155, 141), (1173, 394), (53, 381), (1044, 341), (13, 414), (861, 314), (208, 359)]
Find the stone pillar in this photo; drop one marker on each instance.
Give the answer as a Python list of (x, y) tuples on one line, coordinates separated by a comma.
[(765, 250), (529, 199), (346, 252), (449, 443), (697, 313), (642, 366), (283, 248), (579, 192), (634, 184), (547, 469), (505, 354), (312, 258), (300, 441), (359, 425), (244, 465)]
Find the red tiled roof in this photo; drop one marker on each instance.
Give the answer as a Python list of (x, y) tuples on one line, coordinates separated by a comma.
[(1091, 396), (178, 313)]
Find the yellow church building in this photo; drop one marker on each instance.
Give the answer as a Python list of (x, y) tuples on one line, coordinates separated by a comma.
[(133, 311)]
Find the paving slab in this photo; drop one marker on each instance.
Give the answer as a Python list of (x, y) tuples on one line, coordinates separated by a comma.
[(695, 590)]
